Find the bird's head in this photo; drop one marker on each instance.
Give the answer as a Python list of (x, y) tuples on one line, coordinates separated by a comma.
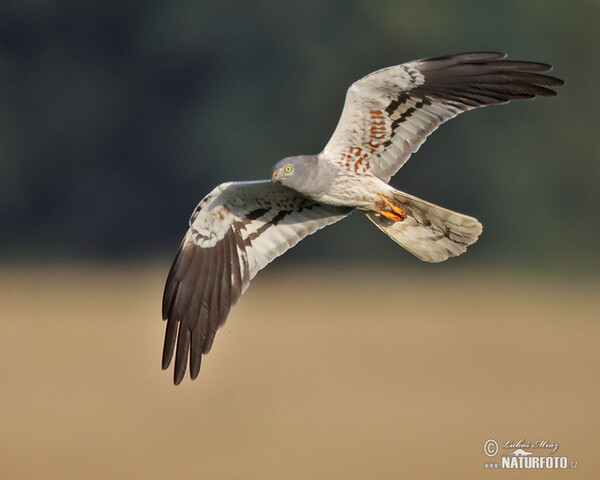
[(283, 170), (302, 173)]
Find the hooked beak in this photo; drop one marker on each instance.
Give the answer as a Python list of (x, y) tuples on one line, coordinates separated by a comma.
[(275, 176)]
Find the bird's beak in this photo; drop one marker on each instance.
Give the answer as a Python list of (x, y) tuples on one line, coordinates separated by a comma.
[(275, 176)]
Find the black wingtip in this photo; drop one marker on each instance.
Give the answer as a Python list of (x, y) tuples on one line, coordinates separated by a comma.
[(178, 372), (470, 57), (166, 361), (178, 375), (194, 373)]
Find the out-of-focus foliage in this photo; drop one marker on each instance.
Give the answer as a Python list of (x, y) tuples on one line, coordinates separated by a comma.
[(117, 117)]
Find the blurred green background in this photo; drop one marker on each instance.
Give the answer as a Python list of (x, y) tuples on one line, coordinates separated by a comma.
[(118, 117)]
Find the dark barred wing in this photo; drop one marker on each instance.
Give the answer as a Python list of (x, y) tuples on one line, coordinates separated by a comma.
[(235, 231), (388, 114)]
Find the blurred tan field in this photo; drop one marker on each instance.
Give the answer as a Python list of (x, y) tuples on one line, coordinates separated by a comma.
[(315, 376)]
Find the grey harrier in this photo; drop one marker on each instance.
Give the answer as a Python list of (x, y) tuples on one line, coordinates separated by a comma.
[(240, 227)]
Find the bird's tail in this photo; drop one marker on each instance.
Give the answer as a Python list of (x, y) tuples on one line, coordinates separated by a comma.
[(430, 232)]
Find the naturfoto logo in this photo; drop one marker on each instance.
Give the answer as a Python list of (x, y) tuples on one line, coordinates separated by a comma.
[(522, 455)]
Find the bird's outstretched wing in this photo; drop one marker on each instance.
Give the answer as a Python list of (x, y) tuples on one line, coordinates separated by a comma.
[(389, 113), (235, 231)]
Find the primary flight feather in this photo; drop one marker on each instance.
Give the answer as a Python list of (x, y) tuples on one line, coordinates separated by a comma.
[(239, 227)]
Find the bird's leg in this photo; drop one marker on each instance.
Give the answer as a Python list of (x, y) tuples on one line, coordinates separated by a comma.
[(397, 214)]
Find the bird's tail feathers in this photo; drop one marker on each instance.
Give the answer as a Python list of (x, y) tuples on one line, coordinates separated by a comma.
[(431, 233)]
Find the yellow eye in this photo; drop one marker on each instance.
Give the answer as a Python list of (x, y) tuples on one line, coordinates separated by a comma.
[(288, 168)]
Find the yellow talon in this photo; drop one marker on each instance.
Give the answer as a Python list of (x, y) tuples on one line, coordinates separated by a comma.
[(390, 215), (397, 214)]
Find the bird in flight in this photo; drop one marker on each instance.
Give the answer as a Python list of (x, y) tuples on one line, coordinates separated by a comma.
[(239, 227)]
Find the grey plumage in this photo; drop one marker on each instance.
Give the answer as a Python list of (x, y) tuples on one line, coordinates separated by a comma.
[(308, 175)]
